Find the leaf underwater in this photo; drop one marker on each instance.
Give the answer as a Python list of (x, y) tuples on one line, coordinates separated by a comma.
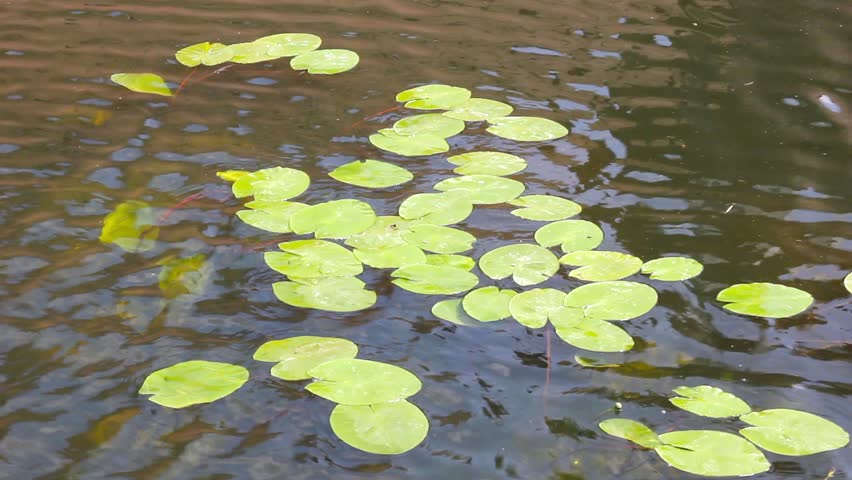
[(143, 83)]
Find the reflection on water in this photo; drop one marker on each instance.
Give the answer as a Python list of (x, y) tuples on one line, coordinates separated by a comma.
[(709, 128)]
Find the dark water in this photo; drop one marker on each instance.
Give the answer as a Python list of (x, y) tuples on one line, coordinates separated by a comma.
[(697, 130)]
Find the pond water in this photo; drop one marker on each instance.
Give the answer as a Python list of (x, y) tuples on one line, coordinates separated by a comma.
[(713, 129)]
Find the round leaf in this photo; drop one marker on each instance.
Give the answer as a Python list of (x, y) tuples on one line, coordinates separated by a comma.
[(313, 259), (193, 382), (711, 453), (547, 208), (383, 429), (601, 266), (488, 304), (296, 355), (765, 300), (411, 145), (612, 300), (436, 208), (439, 239), (434, 280), (793, 432), (131, 226), (335, 294), (362, 382), (483, 189), (533, 307), (446, 260), (251, 52), (324, 62), (429, 123), (289, 44), (371, 174), (589, 333), (452, 311), (270, 216), (143, 83), (384, 233), (204, 53), (847, 282), (231, 175), (479, 109), (391, 257), (571, 235), (709, 402), (434, 97), (334, 219), (632, 430), (487, 163), (526, 129), (672, 269), (527, 264), (272, 184)]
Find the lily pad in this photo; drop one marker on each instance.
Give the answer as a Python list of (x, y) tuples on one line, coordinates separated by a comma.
[(131, 226), (270, 216), (371, 174), (205, 53), (362, 382), (672, 269), (488, 304), (334, 219), (434, 280), (593, 363), (768, 300), (436, 208), (793, 432), (386, 232), (193, 382), (527, 264), (631, 430), (711, 453), (251, 52), (334, 294), (533, 307), (313, 259), (847, 282), (296, 355), (429, 123), (487, 163), (232, 175), (601, 266), (325, 62), (452, 311), (184, 276), (143, 83), (434, 97), (589, 333), (382, 429), (289, 44), (409, 145), (709, 401), (439, 239), (479, 109), (483, 189), (548, 208), (449, 260), (617, 300), (570, 235), (275, 184), (526, 129), (391, 257)]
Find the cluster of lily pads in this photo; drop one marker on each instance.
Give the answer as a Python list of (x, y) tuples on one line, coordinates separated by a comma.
[(301, 46), (718, 453)]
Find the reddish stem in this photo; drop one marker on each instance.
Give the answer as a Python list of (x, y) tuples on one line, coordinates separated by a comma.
[(547, 369), (398, 107), (184, 81), (215, 72), (168, 213)]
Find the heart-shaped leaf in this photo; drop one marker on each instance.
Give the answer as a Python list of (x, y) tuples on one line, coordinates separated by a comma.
[(143, 83), (482, 189), (371, 174), (334, 219), (527, 264), (793, 432), (487, 163), (711, 453), (571, 235), (488, 304), (193, 382), (601, 266), (409, 145), (313, 259), (479, 109), (324, 62), (382, 429), (617, 300), (275, 184), (434, 97), (709, 401), (439, 239), (672, 269), (436, 208), (296, 355), (768, 300), (362, 382), (434, 280), (533, 307), (429, 123), (548, 208), (334, 294), (526, 129)]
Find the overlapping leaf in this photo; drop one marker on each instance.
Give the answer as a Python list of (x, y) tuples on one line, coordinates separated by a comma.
[(488, 304), (334, 294), (275, 184), (527, 264), (294, 356), (487, 163), (482, 189), (434, 97), (383, 429), (570, 235), (434, 280), (371, 174), (324, 62), (439, 239), (598, 266), (313, 259), (334, 219), (549, 208), (362, 382), (526, 129), (479, 109), (409, 145)]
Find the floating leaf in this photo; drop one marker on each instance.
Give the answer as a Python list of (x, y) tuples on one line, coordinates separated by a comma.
[(571, 235), (313, 259), (447, 260), (612, 300), (434, 97), (296, 355), (371, 174), (232, 175), (436, 208), (452, 311), (334, 294), (193, 382), (204, 53), (711, 453), (362, 382), (593, 363), (132, 226), (290, 44), (184, 276), (434, 280), (709, 401), (334, 219), (429, 123), (391, 257), (325, 62), (479, 109), (672, 269), (631, 430), (274, 184), (409, 146), (251, 52), (487, 163), (382, 429), (488, 304), (439, 239), (270, 216), (384, 233), (601, 266), (547, 208), (589, 333), (765, 300), (483, 189), (526, 129), (533, 307), (847, 282), (793, 432), (143, 83), (527, 264)]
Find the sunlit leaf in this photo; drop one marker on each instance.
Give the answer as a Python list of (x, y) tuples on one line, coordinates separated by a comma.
[(589, 333), (325, 62), (391, 257), (429, 123), (313, 259), (593, 362), (334, 219), (488, 304), (598, 266), (193, 382), (251, 52), (449, 260), (527, 264), (632, 430), (436, 208), (570, 235), (232, 175), (487, 163), (296, 355), (547, 208), (793, 432), (434, 280), (709, 401), (526, 129), (362, 382), (533, 307), (335, 294), (672, 269), (383, 429), (205, 53), (482, 189), (371, 174), (479, 109), (439, 239), (289, 44), (452, 311), (384, 233), (131, 226), (270, 216), (434, 97), (143, 83), (275, 184), (847, 282), (617, 300), (765, 300), (184, 276), (711, 453), (411, 145)]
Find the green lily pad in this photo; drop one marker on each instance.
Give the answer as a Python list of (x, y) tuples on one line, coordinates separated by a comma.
[(205, 53), (386, 232), (142, 83), (232, 175), (184, 276), (382, 429), (526, 129), (571, 235), (487, 163), (768, 300), (436, 208), (333, 294), (131, 226), (672, 269), (371, 174), (434, 97), (617, 300), (589, 333), (709, 401), (593, 363), (313, 259), (449, 260), (631, 430), (601, 266), (296, 355), (270, 216), (439, 239), (533, 307), (547, 208), (391, 257), (289, 44), (334, 219), (429, 123), (411, 145), (483, 189), (452, 311), (711, 453), (324, 62), (488, 304), (847, 282), (793, 432), (479, 109), (362, 382), (527, 264), (275, 184), (193, 382), (251, 52), (434, 280)]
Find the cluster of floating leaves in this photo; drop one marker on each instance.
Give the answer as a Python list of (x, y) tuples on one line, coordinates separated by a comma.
[(302, 47), (716, 453)]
